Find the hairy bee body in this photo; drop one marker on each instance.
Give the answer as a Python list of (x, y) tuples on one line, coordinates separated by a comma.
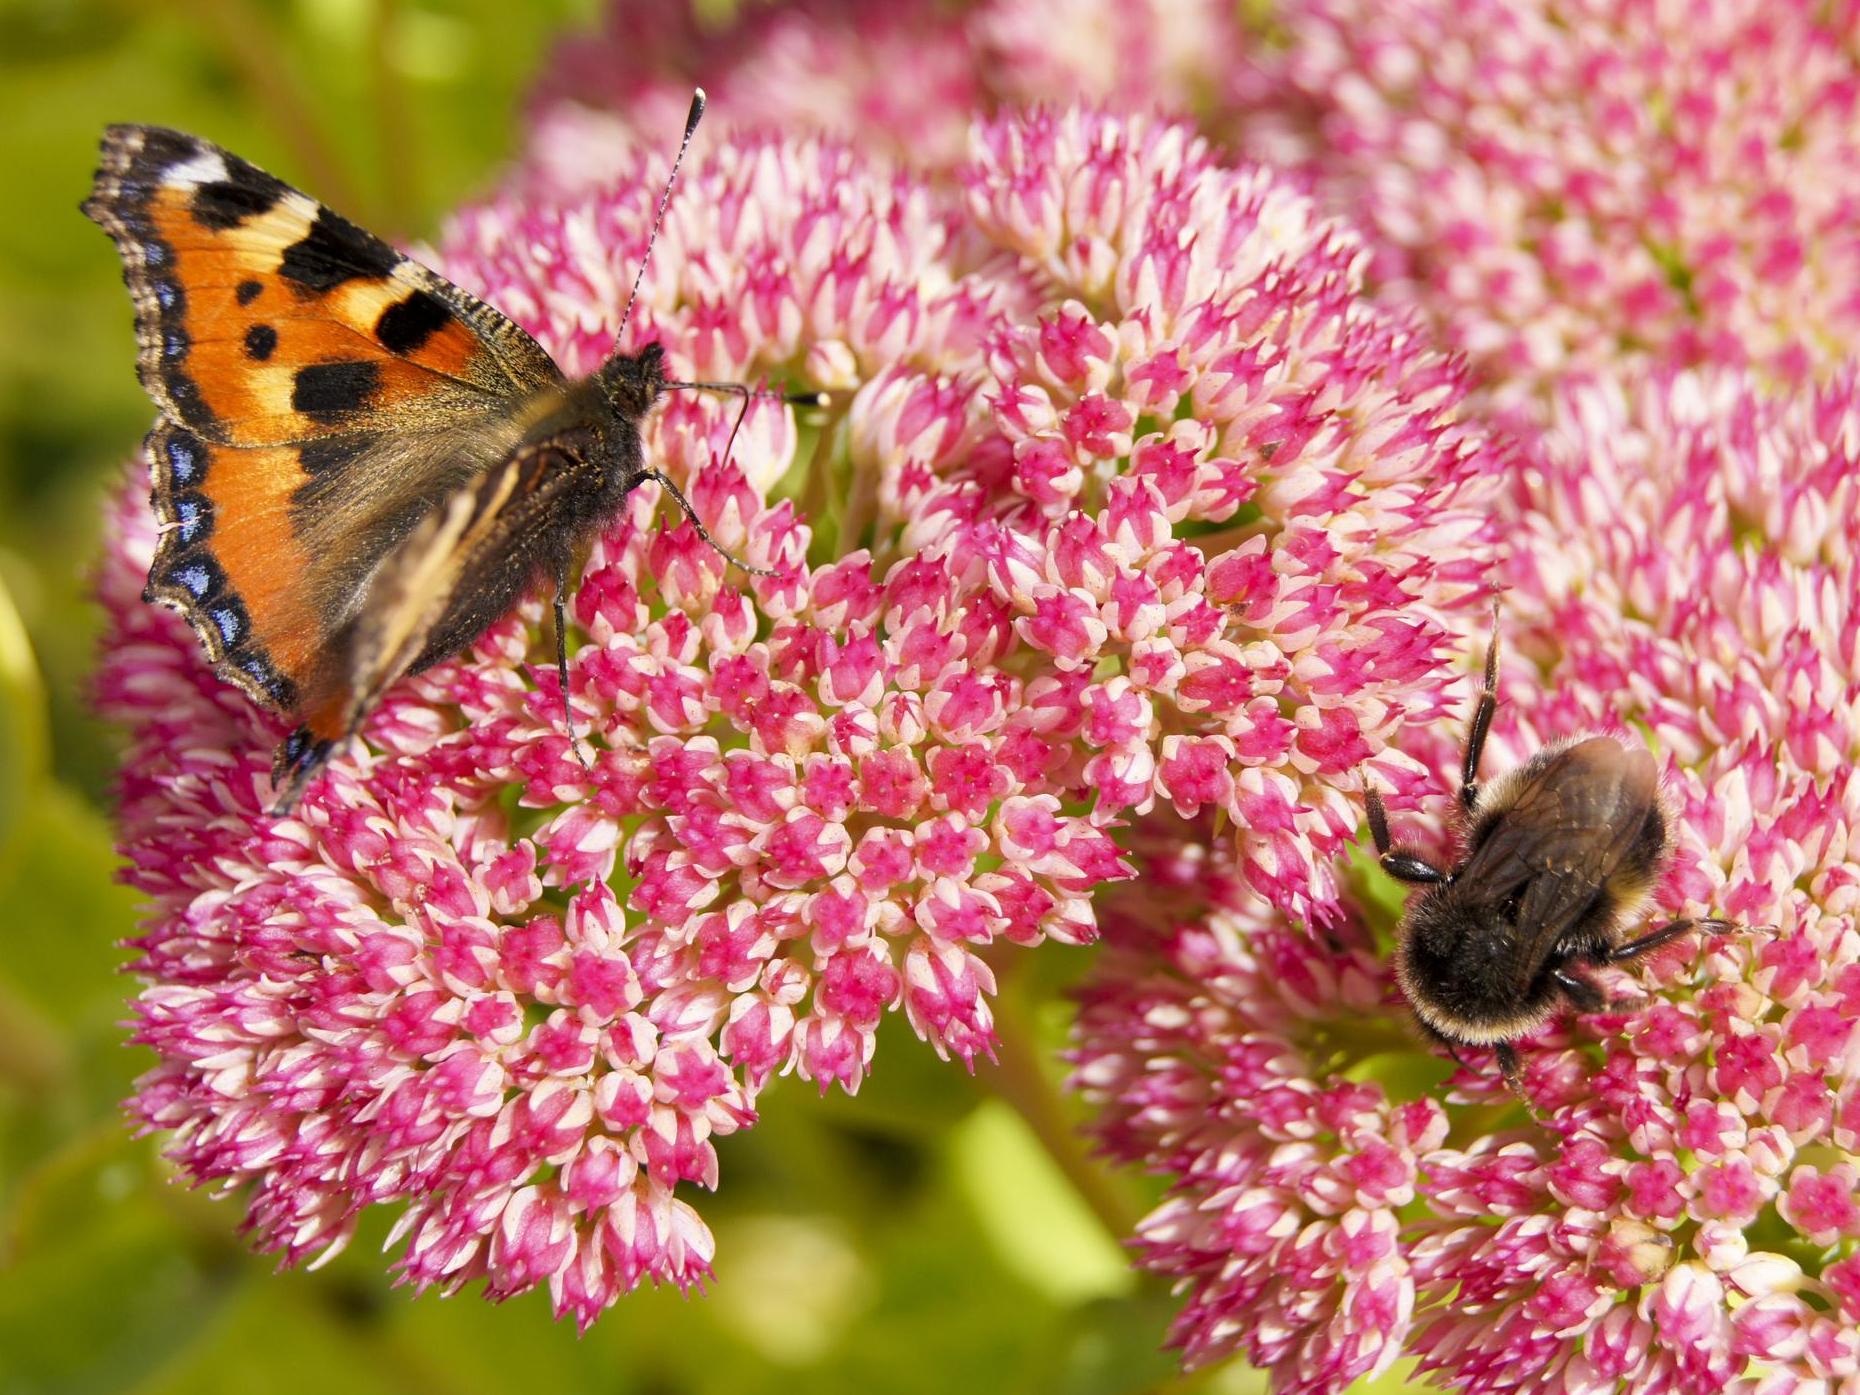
[(1560, 855)]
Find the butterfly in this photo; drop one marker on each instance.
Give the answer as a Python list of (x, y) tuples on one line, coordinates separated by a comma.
[(358, 467)]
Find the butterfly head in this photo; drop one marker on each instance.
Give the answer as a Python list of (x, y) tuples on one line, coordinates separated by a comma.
[(632, 384)]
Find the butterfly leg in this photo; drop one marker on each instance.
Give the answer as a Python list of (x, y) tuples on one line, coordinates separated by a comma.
[(299, 756), (1399, 863), (576, 744), (1481, 720), (679, 496)]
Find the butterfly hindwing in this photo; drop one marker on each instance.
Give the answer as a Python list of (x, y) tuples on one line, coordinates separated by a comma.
[(462, 566), (225, 558), (319, 391)]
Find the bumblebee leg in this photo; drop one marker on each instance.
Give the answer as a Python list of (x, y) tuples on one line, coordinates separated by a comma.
[(1441, 1039), (1378, 817), (1399, 863), (1405, 866), (561, 673), (1587, 996), (1481, 720), (1509, 1068), (1653, 939)]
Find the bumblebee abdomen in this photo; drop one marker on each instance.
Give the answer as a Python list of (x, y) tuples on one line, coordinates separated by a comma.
[(1634, 876), (1467, 975)]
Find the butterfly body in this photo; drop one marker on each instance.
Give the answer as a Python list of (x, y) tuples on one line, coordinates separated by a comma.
[(359, 467)]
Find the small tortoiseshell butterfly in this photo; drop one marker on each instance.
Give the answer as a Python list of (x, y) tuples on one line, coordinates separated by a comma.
[(359, 467)]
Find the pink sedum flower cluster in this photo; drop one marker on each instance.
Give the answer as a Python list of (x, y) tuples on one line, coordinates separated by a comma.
[(1129, 501), (1583, 200), (1557, 187), (905, 77), (1209, 1034), (1566, 186), (1679, 1213)]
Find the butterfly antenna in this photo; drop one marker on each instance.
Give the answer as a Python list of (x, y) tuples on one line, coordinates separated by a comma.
[(695, 115)]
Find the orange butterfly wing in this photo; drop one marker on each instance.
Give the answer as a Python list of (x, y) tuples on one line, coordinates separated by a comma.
[(320, 392)]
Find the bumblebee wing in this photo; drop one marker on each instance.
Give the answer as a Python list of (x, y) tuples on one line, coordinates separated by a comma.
[(1569, 821)]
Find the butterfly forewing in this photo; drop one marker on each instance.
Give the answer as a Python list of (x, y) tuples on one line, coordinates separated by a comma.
[(318, 392), (358, 466)]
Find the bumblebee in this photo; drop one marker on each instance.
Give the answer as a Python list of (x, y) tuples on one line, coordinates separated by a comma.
[(1560, 855)]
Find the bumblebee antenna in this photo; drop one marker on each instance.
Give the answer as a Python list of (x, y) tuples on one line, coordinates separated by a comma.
[(695, 115)]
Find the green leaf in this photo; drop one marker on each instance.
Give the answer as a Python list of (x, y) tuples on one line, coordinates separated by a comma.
[(23, 739), (102, 1282), (1037, 1224)]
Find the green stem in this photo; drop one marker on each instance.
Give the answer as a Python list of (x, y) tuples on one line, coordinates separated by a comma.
[(861, 506), (1019, 1079), (818, 493)]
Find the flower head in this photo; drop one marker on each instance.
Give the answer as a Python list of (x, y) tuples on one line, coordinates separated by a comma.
[(1677, 1206), (1576, 187), (1131, 501), (905, 78)]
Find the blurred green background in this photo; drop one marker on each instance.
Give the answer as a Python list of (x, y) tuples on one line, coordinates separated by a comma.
[(918, 1238)]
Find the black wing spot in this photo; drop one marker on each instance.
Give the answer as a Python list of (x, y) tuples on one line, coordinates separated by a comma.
[(332, 453), (159, 148), (407, 324), (189, 405), (328, 392), (247, 192), (334, 251), (248, 291), (260, 340), (261, 671)]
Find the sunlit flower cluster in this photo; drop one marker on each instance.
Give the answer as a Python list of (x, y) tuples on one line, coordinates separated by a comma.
[(1680, 1206), (1127, 500), (906, 77), (1564, 186), (1556, 186)]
